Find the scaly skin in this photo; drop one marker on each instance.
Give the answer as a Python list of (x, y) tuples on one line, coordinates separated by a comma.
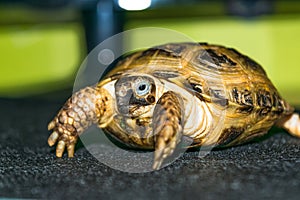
[(85, 107), (167, 126), (291, 123)]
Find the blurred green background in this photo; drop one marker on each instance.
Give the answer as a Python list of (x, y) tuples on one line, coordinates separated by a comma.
[(41, 49)]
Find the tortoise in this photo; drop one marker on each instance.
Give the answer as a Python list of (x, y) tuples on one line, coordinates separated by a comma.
[(153, 98)]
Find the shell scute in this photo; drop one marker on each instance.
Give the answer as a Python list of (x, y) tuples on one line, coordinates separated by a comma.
[(230, 134)]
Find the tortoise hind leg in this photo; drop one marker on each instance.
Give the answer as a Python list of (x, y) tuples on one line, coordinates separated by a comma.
[(167, 126), (291, 123)]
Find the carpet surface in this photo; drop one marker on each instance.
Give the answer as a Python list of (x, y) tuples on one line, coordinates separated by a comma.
[(269, 168)]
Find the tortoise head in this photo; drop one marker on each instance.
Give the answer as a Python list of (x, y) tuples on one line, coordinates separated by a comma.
[(135, 94)]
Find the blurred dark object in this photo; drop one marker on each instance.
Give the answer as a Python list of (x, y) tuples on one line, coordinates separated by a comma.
[(101, 20), (250, 8)]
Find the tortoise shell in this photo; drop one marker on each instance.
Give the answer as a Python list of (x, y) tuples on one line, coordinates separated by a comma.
[(234, 87)]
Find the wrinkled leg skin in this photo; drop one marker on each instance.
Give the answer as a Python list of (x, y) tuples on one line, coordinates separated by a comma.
[(84, 108), (291, 123), (167, 126)]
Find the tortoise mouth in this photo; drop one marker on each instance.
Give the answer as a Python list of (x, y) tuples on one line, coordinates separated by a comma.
[(129, 110), (132, 111)]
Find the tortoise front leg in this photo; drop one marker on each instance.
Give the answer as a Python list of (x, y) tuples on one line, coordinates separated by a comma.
[(85, 107), (167, 126)]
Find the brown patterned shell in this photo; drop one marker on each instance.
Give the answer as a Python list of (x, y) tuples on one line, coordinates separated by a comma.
[(233, 84)]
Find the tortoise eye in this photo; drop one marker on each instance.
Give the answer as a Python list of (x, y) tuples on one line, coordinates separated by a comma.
[(142, 88)]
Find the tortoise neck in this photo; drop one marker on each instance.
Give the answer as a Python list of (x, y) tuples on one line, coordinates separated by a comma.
[(198, 119)]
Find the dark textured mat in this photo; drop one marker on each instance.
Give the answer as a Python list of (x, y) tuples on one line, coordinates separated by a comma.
[(267, 169)]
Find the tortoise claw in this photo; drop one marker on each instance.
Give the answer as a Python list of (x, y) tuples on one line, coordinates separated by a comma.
[(53, 138), (70, 149), (157, 161), (51, 125), (165, 146), (60, 148)]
